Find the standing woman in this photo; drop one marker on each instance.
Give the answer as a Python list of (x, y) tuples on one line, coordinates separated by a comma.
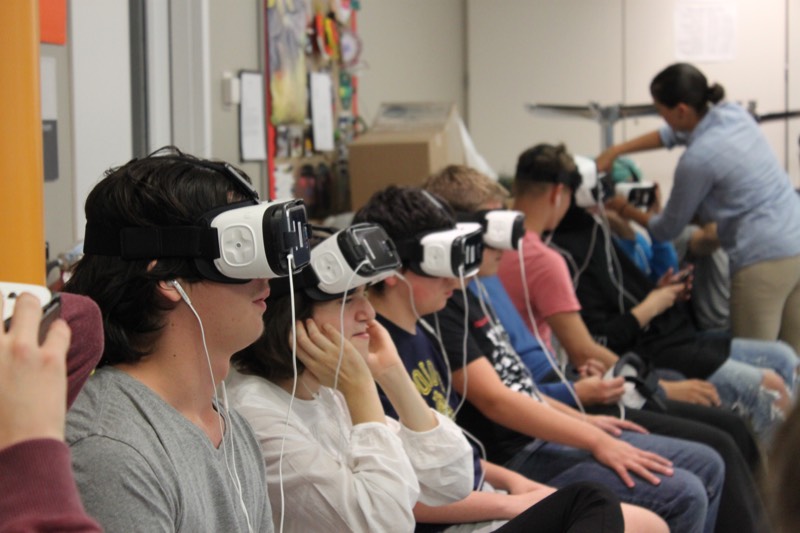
[(728, 175)]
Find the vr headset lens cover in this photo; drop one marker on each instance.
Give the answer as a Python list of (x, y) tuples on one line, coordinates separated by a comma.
[(255, 241), (358, 255), (233, 243), (594, 188), (641, 194), (503, 229), (443, 254)]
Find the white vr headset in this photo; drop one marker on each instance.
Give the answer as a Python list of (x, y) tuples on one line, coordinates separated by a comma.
[(233, 243), (594, 188), (502, 229), (640, 194), (445, 254), (361, 254)]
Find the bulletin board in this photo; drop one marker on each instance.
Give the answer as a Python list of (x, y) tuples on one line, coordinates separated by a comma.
[(312, 53)]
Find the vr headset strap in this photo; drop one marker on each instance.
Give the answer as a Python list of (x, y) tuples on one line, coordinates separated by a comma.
[(152, 242), (409, 250)]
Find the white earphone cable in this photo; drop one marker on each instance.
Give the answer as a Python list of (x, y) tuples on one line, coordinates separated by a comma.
[(549, 356), (234, 478), (290, 259)]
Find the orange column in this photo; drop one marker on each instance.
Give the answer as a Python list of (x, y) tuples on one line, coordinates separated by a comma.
[(22, 244)]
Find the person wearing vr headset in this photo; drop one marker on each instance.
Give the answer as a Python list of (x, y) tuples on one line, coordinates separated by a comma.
[(697, 246), (36, 374), (652, 256), (498, 331), (436, 252), (755, 378), (177, 255), (495, 378), (334, 461), (728, 174), (338, 462), (472, 195)]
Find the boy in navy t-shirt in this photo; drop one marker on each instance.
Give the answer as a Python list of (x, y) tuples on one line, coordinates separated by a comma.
[(407, 214)]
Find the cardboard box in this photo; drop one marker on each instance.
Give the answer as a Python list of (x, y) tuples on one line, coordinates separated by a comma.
[(406, 143)]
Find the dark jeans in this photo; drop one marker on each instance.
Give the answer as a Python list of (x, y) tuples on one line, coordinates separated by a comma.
[(577, 508), (741, 508)]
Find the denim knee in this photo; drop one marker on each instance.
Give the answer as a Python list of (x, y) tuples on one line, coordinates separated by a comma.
[(740, 388), (775, 355), (683, 503)]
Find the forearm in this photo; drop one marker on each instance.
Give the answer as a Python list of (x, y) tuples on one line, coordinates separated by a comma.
[(477, 507), (704, 241), (537, 420), (582, 351), (363, 402), (563, 408), (412, 410), (501, 478), (648, 141), (645, 312)]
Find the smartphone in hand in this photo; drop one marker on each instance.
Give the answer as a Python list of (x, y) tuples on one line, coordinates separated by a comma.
[(51, 304)]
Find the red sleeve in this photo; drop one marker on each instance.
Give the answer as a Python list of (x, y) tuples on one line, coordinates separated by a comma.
[(39, 491), (86, 322), (550, 283), (547, 275)]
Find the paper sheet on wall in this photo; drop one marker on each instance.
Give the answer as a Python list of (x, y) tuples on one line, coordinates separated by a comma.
[(252, 133), (322, 110), (284, 181), (705, 30)]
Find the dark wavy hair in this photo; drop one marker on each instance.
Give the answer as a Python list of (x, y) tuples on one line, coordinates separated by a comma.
[(166, 188), (405, 212), (684, 83)]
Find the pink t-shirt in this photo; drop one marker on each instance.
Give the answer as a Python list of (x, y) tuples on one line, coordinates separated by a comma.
[(549, 284)]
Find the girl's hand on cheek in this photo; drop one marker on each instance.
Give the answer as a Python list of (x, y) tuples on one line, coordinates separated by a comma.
[(382, 351)]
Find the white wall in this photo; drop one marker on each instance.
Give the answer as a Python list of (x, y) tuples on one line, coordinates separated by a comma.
[(577, 51), (101, 94), (414, 51), (554, 52), (793, 68), (236, 44), (513, 52)]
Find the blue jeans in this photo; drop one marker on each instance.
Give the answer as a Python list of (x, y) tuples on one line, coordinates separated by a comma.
[(738, 381), (687, 500)]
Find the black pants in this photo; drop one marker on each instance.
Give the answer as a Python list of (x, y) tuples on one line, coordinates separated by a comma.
[(577, 508), (741, 508)]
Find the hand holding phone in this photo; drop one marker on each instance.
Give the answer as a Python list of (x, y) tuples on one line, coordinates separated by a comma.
[(33, 379), (684, 277), (51, 304)]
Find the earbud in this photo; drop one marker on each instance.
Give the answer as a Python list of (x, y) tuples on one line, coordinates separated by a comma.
[(558, 200), (184, 296)]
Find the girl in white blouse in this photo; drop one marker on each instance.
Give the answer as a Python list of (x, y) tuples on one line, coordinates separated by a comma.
[(337, 462)]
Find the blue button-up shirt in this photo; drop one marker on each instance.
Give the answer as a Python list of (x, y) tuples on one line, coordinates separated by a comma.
[(729, 174)]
